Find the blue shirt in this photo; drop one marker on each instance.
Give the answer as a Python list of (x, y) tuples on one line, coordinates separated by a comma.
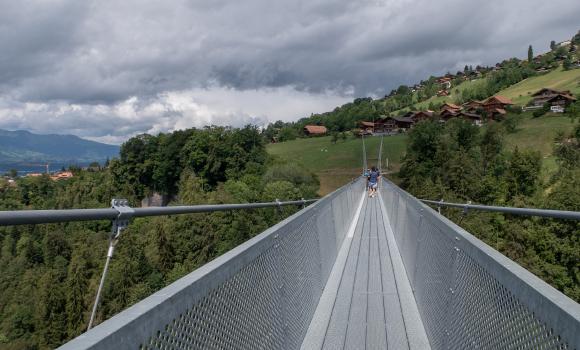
[(373, 177)]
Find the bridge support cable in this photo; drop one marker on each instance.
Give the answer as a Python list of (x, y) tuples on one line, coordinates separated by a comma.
[(548, 213), (380, 162), (364, 151), (119, 224)]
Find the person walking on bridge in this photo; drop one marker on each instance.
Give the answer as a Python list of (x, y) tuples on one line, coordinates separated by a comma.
[(373, 181)]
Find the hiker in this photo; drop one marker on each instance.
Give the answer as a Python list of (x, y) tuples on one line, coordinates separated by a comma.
[(373, 181)]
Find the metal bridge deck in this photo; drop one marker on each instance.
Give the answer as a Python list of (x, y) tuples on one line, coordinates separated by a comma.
[(367, 302)]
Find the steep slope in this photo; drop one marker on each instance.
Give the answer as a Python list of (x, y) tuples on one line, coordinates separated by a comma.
[(558, 79)]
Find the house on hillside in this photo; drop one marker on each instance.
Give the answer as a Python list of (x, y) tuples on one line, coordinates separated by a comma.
[(422, 115), (561, 100), (315, 130), (474, 118), (449, 109), (553, 97), (63, 175), (441, 93), (445, 82), (472, 106), (495, 106), (397, 124), (378, 126), (447, 114)]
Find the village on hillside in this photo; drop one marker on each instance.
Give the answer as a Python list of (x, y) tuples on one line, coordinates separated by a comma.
[(444, 97), (493, 108)]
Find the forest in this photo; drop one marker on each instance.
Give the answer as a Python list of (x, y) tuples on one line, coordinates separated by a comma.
[(458, 162), (50, 273)]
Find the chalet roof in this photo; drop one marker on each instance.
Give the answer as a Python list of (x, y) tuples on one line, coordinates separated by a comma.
[(451, 105), (565, 96), (315, 129), (452, 111), (427, 113), (554, 92), (499, 110), (402, 119), (473, 102), (370, 124), (500, 99)]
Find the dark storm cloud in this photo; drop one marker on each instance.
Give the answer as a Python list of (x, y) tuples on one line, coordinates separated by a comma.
[(94, 55)]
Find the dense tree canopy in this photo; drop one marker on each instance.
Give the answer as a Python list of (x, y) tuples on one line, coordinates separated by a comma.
[(50, 272), (460, 163)]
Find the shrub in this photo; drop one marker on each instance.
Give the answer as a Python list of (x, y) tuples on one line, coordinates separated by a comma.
[(540, 112)]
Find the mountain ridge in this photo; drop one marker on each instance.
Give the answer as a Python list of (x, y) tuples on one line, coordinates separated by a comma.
[(25, 146)]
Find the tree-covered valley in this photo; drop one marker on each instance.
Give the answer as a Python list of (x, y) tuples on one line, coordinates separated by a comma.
[(50, 273)]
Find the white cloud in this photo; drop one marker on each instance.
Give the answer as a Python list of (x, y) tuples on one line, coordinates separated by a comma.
[(108, 69), (166, 112)]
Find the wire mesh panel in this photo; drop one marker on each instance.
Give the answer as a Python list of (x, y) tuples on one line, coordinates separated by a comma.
[(470, 296), (261, 295)]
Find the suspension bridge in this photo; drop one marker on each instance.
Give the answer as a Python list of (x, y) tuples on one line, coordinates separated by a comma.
[(345, 272)]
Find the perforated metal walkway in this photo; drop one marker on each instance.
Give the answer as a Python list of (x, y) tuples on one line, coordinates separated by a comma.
[(367, 302)]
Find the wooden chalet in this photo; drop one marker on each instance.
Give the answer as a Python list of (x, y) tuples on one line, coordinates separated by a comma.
[(562, 100), (312, 130), (449, 110), (553, 97), (421, 115), (441, 93), (476, 119), (472, 106), (495, 106), (447, 114), (394, 124), (445, 82), (378, 126)]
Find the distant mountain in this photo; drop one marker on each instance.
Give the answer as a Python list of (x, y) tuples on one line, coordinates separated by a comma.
[(23, 146)]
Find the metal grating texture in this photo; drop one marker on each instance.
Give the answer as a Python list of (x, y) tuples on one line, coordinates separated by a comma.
[(469, 295), (260, 295)]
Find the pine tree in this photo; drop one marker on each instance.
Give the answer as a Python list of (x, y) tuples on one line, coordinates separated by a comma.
[(530, 54), (77, 292)]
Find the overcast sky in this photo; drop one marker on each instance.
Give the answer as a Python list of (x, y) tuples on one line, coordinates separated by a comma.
[(107, 70)]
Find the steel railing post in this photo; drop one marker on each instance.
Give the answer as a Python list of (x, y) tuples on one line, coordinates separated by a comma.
[(119, 224)]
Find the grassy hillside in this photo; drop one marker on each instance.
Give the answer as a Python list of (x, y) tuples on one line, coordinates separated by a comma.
[(453, 96), (336, 164), (558, 79), (538, 134)]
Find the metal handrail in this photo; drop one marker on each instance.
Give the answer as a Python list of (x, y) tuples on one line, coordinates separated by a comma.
[(434, 244), (120, 214), (277, 249), (26, 217), (548, 213)]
